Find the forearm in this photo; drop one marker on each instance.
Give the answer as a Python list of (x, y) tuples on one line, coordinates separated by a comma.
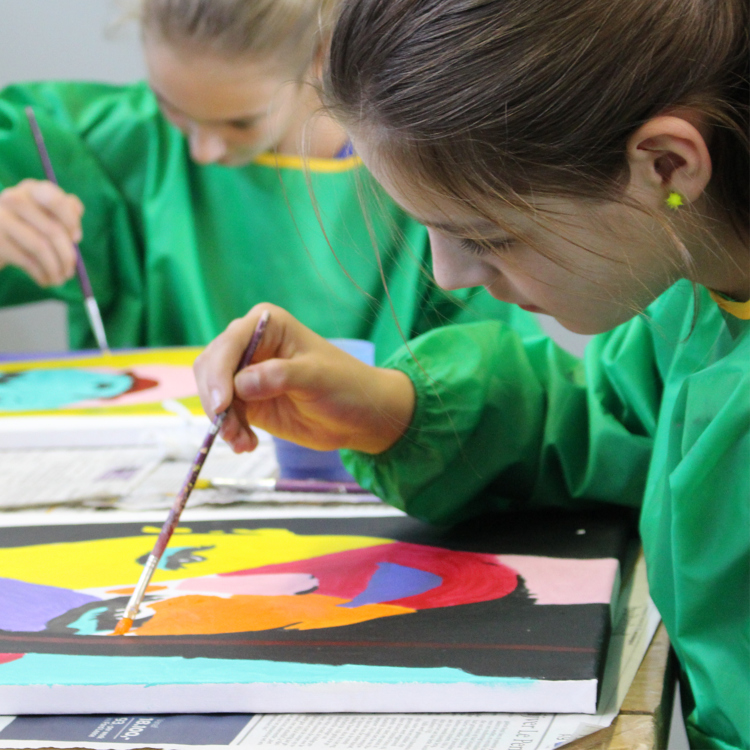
[(391, 398)]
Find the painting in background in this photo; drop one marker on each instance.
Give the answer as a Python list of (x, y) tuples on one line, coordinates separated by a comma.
[(133, 382), (345, 614)]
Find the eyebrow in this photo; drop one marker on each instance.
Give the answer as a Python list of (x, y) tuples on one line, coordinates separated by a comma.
[(465, 230), (449, 228), (161, 99)]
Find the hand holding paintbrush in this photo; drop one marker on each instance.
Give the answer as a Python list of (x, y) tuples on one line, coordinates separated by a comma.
[(124, 625), (92, 308)]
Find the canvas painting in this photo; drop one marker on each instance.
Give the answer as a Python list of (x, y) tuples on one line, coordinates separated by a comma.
[(135, 382), (373, 614)]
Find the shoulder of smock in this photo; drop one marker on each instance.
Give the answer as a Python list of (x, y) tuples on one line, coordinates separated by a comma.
[(679, 324), (112, 133), (75, 104)]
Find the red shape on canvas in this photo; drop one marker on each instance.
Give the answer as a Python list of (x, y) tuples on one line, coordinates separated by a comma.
[(6, 658)]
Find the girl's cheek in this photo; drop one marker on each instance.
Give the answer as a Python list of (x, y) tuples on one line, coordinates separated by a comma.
[(179, 122)]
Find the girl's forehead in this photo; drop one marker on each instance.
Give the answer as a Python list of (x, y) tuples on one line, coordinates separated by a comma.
[(429, 205), (206, 86), (482, 216)]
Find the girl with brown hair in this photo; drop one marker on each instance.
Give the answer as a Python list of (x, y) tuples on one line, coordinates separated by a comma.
[(587, 159)]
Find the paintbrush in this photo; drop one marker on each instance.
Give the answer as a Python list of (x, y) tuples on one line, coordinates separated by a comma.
[(182, 497), (92, 308), (281, 485)]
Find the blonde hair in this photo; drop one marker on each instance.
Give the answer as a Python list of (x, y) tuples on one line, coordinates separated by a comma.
[(289, 32)]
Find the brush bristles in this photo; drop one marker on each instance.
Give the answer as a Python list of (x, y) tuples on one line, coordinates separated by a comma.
[(123, 626)]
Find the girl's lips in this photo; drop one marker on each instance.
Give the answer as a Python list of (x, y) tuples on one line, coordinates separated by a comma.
[(531, 308)]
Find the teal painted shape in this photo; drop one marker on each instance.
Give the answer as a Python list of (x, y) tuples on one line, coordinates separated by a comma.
[(87, 624), (41, 390), (65, 669)]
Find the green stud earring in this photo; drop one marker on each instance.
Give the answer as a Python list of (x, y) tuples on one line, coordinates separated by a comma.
[(675, 200)]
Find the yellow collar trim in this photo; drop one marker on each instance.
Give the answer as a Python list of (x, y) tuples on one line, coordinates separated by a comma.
[(739, 310), (313, 164)]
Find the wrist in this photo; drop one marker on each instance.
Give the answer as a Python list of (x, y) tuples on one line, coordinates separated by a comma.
[(393, 400)]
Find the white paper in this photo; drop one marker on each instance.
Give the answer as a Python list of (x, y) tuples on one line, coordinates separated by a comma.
[(147, 477), (44, 477)]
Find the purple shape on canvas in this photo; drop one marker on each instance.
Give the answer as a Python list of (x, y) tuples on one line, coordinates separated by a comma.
[(392, 581), (28, 607)]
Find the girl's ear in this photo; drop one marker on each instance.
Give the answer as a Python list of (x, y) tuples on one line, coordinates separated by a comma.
[(319, 60), (668, 153)]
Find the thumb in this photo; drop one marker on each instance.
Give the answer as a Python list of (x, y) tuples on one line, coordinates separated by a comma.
[(266, 380)]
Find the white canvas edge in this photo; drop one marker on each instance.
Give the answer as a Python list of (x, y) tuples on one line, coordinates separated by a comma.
[(538, 696), (96, 431), (64, 517)]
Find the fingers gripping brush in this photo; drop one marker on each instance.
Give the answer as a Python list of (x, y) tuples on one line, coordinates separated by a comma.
[(92, 308), (131, 611)]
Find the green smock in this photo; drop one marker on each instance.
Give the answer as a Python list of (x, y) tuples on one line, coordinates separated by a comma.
[(176, 250), (658, 416)]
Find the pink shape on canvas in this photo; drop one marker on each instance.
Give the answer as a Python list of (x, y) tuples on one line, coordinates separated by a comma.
[(282, 584), (554, 580), (174, 382)]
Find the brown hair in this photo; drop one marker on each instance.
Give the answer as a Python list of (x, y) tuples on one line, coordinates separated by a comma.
[(482, 99), (288, 31)]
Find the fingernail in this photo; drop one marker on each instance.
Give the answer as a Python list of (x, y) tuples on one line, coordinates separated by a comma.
[(216, 399)]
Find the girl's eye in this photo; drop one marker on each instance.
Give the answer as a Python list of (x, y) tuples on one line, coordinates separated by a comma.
[(485, 248), (473, 247), (248, 124)]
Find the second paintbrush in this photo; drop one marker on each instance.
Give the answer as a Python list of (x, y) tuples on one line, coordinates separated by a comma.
[(131, 610), (92, 308)]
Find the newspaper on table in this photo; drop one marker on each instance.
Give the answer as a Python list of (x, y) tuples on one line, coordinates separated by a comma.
[(33, 478), (635, 624), (142, 478)]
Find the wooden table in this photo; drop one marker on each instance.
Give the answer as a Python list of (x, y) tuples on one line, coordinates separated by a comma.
[(643, 721)]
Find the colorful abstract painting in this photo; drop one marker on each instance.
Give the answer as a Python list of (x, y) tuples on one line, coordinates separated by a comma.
[(124, 383), (308, 614)]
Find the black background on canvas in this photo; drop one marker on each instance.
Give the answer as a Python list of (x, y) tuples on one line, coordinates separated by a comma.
[(545, 642)]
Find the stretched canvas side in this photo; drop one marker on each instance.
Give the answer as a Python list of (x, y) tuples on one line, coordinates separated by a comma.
[(422, 696), (379, 614)]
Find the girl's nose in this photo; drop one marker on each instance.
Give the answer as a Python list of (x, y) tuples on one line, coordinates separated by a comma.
[(454, 267), (205, 147)]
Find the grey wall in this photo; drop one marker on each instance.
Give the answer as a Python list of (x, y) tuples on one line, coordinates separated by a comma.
[(42, 39), (82, 39)]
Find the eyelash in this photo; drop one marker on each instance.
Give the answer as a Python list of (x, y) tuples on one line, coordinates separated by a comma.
[(475, 248), (243, 124), (178, 118)]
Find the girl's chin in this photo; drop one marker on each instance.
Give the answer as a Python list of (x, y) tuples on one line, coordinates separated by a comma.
[(591, 326)]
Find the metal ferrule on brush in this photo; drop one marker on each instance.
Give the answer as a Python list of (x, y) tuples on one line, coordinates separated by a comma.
[(140, 590), (97, 325)]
